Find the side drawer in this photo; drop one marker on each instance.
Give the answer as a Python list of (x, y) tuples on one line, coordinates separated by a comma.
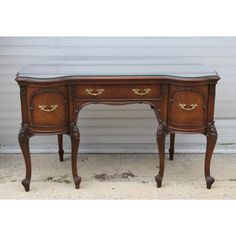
[(187, 107), (48, 108)]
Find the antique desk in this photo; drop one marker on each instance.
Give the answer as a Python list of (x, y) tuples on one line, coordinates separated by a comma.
[(52, 95)]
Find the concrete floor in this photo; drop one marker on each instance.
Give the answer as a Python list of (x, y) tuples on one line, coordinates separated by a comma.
[(118, 176)]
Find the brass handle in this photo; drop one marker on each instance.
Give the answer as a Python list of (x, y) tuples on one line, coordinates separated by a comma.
[(46, 108), (189, 107), (98, 91), (145, 91)]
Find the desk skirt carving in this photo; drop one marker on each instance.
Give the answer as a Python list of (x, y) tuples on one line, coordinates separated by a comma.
[(181, 105)]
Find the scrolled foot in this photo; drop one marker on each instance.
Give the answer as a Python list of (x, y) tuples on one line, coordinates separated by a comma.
[(26, 183), (209, 181), (158, 179), (77, 180)]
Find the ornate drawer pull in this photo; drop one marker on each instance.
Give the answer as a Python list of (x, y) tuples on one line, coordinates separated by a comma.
[(189, 107), (145, 91), (46, 108), (98, 91)]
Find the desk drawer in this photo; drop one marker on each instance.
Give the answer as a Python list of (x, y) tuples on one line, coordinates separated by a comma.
[(187, 106), (48, 108), (104, 91)]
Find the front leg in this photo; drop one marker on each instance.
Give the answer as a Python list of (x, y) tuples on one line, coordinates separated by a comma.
[(23, 139), (75, 139), (211, 142), (161, 134)]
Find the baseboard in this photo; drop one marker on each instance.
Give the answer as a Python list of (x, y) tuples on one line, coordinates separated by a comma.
[(121, 148)]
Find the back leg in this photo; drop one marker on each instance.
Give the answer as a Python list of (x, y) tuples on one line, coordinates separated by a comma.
[(60, 146), (172, 146)]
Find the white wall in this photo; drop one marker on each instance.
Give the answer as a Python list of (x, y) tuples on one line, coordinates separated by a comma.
[(105, 128)]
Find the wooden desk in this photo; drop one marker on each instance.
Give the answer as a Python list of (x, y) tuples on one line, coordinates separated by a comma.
[(52, 95)]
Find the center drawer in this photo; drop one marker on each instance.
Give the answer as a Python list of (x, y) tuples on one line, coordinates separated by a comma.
[(118, 91)]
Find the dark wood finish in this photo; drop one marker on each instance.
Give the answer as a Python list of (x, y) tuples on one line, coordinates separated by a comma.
[(111, 91), (185, 119), (60, 147), (23, 138), (75, 138), (211, 142), (181, 105), (161, 135), (42, 120), (172, 146)]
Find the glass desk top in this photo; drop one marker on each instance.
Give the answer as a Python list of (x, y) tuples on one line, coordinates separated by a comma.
[(64, 68)]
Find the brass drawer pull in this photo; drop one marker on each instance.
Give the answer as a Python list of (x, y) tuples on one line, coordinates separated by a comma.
[(46, 108), (98, 91), (189, 107), (145, 91)]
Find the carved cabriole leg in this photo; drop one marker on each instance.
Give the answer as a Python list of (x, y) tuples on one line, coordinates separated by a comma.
[(60, 145), (211, 142), (23, 138), (75, 139), (172, 146), (161, 134)]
